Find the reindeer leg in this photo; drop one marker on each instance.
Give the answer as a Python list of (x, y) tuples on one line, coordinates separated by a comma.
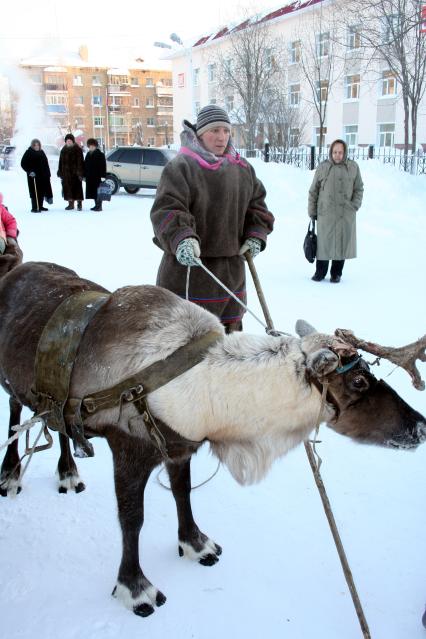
[(67, 470), (11, 466), (192, 542), (133, 463)]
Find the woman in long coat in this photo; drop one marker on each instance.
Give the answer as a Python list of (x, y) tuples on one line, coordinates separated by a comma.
[(94, 171), (209, 203), (334, 198), (36, 166), (71, 172)]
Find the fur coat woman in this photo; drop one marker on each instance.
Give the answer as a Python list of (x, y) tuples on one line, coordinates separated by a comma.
[(71, 172)]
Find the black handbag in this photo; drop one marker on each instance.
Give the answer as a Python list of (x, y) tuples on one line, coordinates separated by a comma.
[(104, 192), (310, 243)]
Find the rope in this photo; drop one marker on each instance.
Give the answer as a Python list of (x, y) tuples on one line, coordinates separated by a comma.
[(157, 477), (21, 428)]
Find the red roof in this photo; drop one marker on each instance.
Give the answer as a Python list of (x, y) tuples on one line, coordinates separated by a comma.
[(296, 5)]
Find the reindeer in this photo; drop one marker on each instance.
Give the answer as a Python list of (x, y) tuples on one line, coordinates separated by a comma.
[(252, 398)]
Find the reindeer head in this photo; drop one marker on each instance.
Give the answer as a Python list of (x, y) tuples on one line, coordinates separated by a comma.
[(366, 409)]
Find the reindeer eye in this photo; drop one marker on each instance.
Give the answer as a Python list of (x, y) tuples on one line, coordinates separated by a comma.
[(360, 382)]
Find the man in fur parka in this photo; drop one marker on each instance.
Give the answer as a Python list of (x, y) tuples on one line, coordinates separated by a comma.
[(71, 172), (209, 205)]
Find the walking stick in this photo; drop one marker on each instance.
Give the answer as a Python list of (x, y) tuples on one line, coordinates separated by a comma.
[(36, 194), (317, 476)]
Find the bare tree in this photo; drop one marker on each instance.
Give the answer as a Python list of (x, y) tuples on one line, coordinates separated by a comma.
[(392, 33), (317, 49), (251, 65), (284, 122)]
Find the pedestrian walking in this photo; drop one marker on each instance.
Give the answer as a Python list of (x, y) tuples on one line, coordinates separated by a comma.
[(94, 171), (35, 164), (71, 172), (209, 204), (334, 198)]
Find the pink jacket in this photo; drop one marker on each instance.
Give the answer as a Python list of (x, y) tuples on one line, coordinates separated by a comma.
[(8, 226)]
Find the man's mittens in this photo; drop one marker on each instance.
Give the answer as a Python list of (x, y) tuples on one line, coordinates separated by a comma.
[(188, 252)]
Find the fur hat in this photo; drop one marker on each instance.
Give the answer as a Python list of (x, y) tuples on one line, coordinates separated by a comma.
[(92, 142), (69, 136), (211, 116)]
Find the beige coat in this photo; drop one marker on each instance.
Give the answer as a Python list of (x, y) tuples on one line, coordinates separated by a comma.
[(334, 198)]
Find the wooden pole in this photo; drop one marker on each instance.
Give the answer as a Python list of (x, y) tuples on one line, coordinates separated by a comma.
[(317, 476)]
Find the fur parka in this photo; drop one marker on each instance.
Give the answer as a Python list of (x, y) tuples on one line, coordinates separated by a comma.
[(71, 172)]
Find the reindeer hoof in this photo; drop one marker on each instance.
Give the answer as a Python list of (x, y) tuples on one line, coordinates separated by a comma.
[(144, 610), (9, 487), (203, 550), (209, 560), (71, 482), (80, 487)]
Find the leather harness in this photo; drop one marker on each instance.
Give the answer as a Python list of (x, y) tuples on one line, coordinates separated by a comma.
[(57, 350)]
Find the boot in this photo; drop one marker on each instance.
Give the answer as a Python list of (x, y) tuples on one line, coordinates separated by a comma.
[(79, 205), (98, 206), (34, 207), (70, 206)]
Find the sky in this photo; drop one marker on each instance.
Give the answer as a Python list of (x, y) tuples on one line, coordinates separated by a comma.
[(28, 28)]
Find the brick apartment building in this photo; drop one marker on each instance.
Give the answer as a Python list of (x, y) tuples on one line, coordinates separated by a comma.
[(114, 105)]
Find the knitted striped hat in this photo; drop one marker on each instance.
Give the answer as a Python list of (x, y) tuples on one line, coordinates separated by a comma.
[(210, 117)]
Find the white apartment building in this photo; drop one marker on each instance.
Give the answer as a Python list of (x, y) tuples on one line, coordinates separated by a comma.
[(364, 107)]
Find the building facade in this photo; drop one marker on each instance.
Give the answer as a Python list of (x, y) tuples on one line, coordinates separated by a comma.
[(117, 106), (364, 104)]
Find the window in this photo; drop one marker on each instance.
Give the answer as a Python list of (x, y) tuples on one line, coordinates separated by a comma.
[(353, 37), (322, 44), (77, 81), (96, 80), (153, 157), (116, 120), (196, 77), (79, 100), (149, 82), (181, 80), (36, 78), (97, 100), (386, 135), (322, 91), (131, 156), (135, 102), (165, 101), (166, 82), (351, 134), (229, 103), (390, 27), (55, 83), (98, 121), (294, 137), (151, 141), (211, 72), (317, 135), (56, 99), (149, 101), (227, 63), (197, 107), (119, 80), (213, 101), (134, 82), (295, 52), (388, 84), (352, 87), (150, 121), (269, 59), (116, 100), (294, 94)]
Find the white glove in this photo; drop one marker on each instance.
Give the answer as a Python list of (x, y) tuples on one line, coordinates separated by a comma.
[(252, 244), (188, 252), (11, 241)]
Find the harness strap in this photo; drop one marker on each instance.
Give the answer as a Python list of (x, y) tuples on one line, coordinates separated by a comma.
[(56, 353), (152, 377)]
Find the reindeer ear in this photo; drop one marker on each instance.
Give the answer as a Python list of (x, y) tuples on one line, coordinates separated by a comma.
[(322, 362), (303, 328)]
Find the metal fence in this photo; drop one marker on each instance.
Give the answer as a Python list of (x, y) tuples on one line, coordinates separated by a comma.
[(308, 157)]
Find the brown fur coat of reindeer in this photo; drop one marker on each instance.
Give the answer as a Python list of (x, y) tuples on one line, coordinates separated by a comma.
[(252, 398)]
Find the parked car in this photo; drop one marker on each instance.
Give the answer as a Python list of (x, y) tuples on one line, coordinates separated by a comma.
[(136, 167), (7, 156)]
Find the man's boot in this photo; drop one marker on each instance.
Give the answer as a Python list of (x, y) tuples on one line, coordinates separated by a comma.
[(79, 205), (70, 206), (34, 207)]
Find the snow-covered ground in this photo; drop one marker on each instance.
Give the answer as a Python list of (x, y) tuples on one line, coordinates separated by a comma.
[(279, 575)]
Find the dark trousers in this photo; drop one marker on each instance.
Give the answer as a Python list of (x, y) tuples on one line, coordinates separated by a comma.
[(336, 268)]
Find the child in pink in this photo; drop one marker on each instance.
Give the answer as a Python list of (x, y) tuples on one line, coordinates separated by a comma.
[(8, 227)]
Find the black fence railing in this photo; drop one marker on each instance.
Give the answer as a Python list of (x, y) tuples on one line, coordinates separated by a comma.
[(308, 157)]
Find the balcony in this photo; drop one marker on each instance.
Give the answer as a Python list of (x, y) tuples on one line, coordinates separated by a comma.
[(119, 129), (119, 89), (55, 87), (166, 91)]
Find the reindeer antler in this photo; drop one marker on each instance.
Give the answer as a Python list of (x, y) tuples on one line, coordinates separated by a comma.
[(404, 356)]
